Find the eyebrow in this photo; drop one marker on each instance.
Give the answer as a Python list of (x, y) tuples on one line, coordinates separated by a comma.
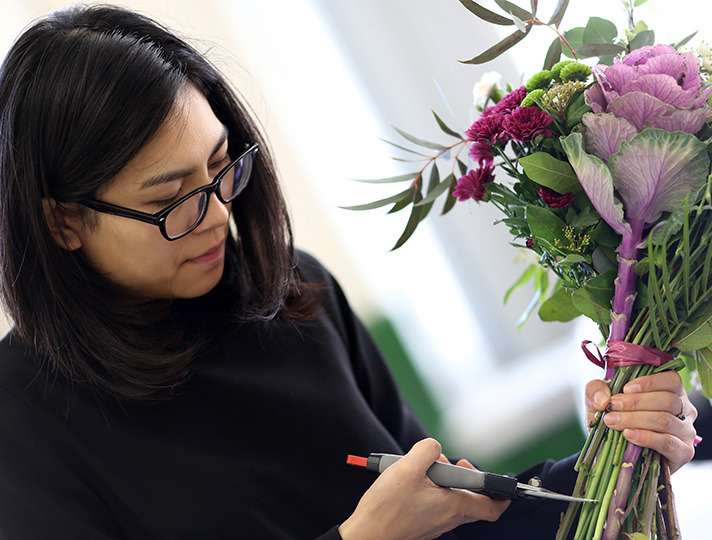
[(181, 173)]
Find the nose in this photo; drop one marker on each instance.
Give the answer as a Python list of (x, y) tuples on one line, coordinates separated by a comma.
[(216, 216)]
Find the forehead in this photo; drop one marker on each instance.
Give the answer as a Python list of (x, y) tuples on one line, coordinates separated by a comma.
[(184, 141)]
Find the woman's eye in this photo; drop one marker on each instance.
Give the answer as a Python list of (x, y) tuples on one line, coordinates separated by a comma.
[(164, 202)]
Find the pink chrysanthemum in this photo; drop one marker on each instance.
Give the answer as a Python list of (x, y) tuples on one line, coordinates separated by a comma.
[(525, 123), (553, 199), (510, 102), (487, 128), (472, 185), (482, 152)]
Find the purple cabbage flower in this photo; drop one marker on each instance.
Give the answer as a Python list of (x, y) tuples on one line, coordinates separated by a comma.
[(654, 87)]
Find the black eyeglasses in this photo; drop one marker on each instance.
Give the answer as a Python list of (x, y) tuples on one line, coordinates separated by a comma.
[(184, 215)]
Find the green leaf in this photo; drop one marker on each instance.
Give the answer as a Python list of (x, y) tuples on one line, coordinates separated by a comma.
[(589, 50), (574, 38), (513, 9), (703, 359), (546, 170), (587, 218), (697, 332), (553, 55), (390, 179), (407, 195), (409, 150), (685, 40), (415, 218), (559, 13), (545, 225), (599, 30), (438, 190), (496, 50), (486, 14), (642, 39), (527, 275), (576, 109), (450, 200), (559, 307), (445, 128), (637, 536), (594, 298), (419, 142)]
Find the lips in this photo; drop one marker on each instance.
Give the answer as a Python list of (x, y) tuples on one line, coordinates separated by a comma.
[(210, 256)]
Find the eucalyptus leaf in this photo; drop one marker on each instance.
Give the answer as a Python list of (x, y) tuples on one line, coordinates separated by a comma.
[(559, 307), (439, 189), (553, 54), (594, 298), (546, 170), (574, 38), (590, 50), (416, 216), (519, 23), (642, 39), (486, 14), (410, 150), (390, 179), (419, 142), (496, 50), (407, 195), (559, 13), (445, 128), (450, 199), (685, 40), (599, 30), (513, 9)]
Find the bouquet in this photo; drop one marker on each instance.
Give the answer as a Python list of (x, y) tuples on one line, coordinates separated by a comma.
[(607, 180)]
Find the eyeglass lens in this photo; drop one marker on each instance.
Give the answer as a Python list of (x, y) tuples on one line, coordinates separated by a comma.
[(187, 215)]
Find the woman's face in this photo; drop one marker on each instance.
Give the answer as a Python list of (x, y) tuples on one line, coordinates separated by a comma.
[(186, 153)]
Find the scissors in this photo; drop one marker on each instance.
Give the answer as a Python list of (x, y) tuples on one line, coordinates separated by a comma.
[(495, 486)]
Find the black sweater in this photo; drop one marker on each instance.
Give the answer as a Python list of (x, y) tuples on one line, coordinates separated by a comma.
[(253, 446)]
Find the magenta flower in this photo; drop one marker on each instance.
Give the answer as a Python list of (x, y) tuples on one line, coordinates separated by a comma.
[(487, 128), (525, 123), (553, 199), (652, 87), (472, 185), (509, 102), (482, 152)]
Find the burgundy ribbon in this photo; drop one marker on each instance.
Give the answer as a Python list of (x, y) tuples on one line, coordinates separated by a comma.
[(622, 353)]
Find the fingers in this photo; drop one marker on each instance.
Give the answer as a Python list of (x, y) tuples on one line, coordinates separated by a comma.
[(655, 412)]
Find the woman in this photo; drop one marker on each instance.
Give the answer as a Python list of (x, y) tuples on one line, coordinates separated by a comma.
[(175, 369)]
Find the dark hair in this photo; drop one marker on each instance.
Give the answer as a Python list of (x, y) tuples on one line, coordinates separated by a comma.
[(81, 92)]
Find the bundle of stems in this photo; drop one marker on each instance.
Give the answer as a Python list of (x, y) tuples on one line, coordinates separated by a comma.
[(632, 485)]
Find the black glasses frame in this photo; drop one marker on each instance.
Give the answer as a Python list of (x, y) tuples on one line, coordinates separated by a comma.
[(159, 218)]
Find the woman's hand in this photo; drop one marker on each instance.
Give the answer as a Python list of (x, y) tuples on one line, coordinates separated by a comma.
[(404, 504), (653, 411)]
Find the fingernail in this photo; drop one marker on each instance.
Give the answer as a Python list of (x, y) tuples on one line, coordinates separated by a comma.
[(612, 419), (615, 405), (631, 434), (633, 389), (600, 399)]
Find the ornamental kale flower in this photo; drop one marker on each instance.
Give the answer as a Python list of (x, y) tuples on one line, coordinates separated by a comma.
[(654, 87), (525, 123), (553, 199), (472, 185)]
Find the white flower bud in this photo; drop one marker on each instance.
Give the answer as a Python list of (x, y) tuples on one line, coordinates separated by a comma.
[(487, 84)]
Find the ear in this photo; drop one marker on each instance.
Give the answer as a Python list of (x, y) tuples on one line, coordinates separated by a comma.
[(63, 228)]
